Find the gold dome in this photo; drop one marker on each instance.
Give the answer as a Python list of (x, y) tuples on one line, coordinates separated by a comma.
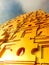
[(24, 40)]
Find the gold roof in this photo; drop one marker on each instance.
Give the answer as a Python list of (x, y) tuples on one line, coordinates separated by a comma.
[(25, 39)]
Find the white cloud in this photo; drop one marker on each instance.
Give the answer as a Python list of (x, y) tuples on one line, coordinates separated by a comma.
[(30, 5), (1, 4)]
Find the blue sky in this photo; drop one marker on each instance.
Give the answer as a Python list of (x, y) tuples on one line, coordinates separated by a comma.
[(13, 8)]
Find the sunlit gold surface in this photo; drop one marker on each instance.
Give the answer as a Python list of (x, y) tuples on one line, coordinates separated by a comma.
[(24, 40)]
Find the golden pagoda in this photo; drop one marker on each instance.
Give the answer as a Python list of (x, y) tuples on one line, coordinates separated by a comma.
[(24, 40)]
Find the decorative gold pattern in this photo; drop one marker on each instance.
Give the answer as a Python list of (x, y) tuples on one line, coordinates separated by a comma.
[(24, 40)]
